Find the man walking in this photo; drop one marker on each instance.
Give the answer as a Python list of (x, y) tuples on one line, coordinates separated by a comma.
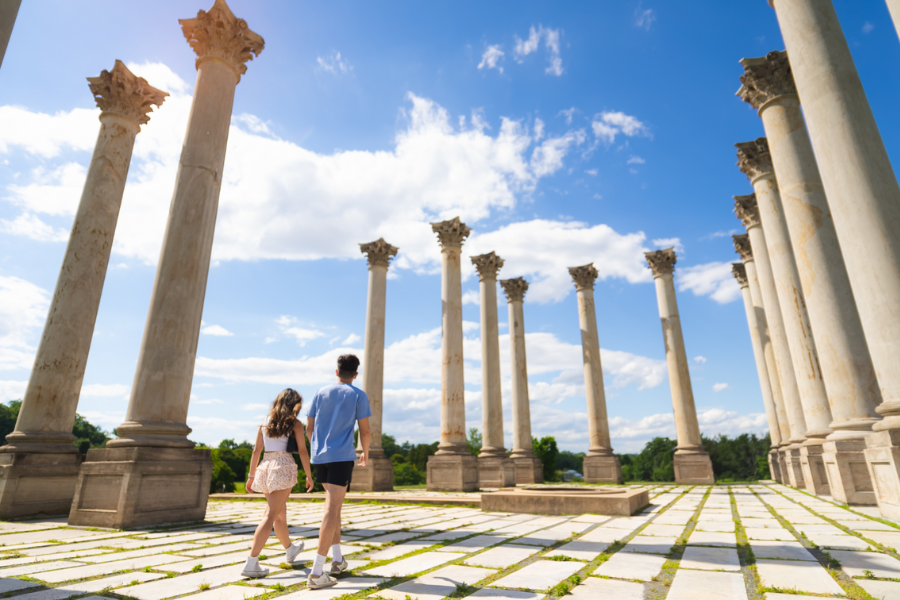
[(333, 412)]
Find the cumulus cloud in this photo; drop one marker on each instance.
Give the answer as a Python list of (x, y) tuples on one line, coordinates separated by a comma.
[(105, 390), (548, 157), (30, 226), (713, 279), (531, 44), (12, 390), (718, 387), (491, 57), (636, 160), (216, 330), (333, 63), (670, 243), (23, 310), (351, 339), (644, 17), (290, 327), (700, 360), (610, 124), (471, 297)]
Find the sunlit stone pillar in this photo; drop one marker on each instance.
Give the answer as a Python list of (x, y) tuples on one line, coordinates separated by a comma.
[(152, 463), (864, 198), (39, 465), (755, 162), (746, 209), (740, 274), (378, 474), (692, 463), (853, 395), (600, 464), (8, 11), (495, 468), (894, 8), (452, 468), (528, 467)]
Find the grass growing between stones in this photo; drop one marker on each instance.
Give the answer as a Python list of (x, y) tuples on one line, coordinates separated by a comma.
[(745, 554), (658, 588)]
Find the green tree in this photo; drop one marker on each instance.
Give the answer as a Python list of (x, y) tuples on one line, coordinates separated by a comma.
[(739, 457), (398, 459), (238, 459), (222, 475), (406, 474), (654, 463), (87, 435), (9, 412), (546, 450), (418, 455), (473, 441), (570, 460)]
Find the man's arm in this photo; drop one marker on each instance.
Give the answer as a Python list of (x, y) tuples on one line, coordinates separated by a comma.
[(365, 436), (310, 424)]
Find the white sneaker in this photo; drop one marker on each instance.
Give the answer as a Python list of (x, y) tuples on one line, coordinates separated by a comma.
[(338, 568), (253, 570), (293, 550), (322, 581)]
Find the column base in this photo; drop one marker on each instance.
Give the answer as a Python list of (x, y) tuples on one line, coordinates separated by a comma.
[(814, 475), (602, 469), (848, 474), (496, 472), (37, 484), (529, 469), (774, 465), (694, 468), (452, 473), (883, 459), (782, 463), (124, 488), (376, 476), (794, 467)]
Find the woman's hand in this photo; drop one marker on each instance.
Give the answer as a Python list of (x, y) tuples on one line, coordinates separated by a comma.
[(310, 482), (248, 486)]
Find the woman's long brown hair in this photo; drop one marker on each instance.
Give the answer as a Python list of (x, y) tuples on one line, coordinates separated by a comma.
[(283, 414)]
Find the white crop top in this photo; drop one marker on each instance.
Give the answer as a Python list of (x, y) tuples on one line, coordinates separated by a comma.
[(274, 444)]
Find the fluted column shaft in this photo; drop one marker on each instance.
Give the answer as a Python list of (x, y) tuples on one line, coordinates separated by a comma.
[(859, 180), (8, 11), (894, 8), (521, 406), (453, 402), (373, 369), (488, 266), (598, 423)]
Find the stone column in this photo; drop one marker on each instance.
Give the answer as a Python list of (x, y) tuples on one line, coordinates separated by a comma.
[(495, 468), (768, 86), (452, 468), (755, 162), (864, 198), (378, 474), (152, 442), (746, 209), (9, 9), (528, 467), (894, 8), (39, 465), (600, 464), (692, 463)]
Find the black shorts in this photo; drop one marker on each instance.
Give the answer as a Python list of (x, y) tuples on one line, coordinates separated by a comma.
[(335, 473)]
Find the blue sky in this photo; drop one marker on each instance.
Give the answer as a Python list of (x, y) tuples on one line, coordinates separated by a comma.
[(561, 133)]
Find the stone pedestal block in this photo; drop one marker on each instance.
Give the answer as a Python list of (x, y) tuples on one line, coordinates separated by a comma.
[(32, 484), (883, 459), (782, 464), (602, 469), (124, 488), (452, 473), (814, 475), (376, 476), (794, 467), (529, 470), (775, 465), (694, 468), (848, 475), (496, 472)]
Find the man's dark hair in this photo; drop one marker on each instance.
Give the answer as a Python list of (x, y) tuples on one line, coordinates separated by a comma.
[(347, 365)]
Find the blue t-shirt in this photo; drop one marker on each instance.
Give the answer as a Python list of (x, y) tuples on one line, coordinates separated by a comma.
[(336, 409)]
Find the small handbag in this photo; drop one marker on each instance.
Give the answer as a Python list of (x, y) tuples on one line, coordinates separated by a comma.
[(292, 444)]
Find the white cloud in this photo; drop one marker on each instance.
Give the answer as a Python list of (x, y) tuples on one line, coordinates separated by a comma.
[(867, 27), (609, 124), (105, 390), (715, 421), (713, 279), (670, 243), (491, 58), (211, 401), (718, 387), (46, 135), (644, 18), (12, 390), (700, 359), (471, 297), (288, 326), (548, 157), (333, 63), (532, 43), (538, 129), (216, 330), (568, 114), (592, 172), (256, 406), (351, 339), (23, 310), (30, 226), (636, 160)]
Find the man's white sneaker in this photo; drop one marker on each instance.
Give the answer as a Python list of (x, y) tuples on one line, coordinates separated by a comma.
[(338, 568), (322, 581), (293, 550)]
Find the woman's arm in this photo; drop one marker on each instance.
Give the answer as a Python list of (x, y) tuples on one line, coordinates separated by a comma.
[(304, 455), (254, 460)]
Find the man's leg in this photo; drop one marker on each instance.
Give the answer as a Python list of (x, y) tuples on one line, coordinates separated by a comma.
[(331, 520)]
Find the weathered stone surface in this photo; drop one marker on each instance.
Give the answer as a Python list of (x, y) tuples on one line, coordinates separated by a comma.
[(627, 565), (503, 556), (554, 502), (710, 559), (595, 587), (690, 585), (801, 576), (540, 575), (414, 564)]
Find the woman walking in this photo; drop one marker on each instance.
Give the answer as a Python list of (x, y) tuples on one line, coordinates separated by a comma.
[(276, 475)]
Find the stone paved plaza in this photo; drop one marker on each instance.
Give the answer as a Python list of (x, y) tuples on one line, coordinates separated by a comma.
[(692, 542)]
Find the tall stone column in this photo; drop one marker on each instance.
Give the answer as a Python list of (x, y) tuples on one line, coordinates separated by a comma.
[(151, 474), (39, 465), (692, 462), (755, 162), (378, 474), (864, 198), (495, 468), (529, 468), (452, 468), (768, 86), (894, 8), (740, 274), (9, 9), (600, 464), (745, 207), (776, 454)]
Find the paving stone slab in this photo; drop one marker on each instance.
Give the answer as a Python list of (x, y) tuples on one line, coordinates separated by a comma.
[(505, 594), (882, 590), (855, 564), (85, 571), (112, 556), (780, 550), (650, 545), (796, 575), (475, 543), (345, 585), (12, 585), (37, 568), (540, 575), (580, 550), (627, 565), (398, 550), (589, 518), (710, 559), (707, 585), (603, 534), (778, 596), (712, 538), (724, 526), (887, 538), (414, 564), (399, 536), (229, 592), (839, 542), (663, 530), (184, 584), (116, 581), (770, 534), (593, 588), (455, 575), (503, 556), (864, 526)]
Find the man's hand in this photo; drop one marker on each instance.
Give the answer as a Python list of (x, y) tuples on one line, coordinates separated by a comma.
[(310, 483), (363, 459)]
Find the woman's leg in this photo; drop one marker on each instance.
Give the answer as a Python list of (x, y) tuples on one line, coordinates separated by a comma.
[(278, 506)]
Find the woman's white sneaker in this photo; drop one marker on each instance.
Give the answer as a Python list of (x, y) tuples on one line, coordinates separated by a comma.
[(293, 550), (322, 581), (338, 568), (253, 570)]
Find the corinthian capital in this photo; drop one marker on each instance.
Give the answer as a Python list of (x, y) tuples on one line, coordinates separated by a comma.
[(487, 265), (452, 233), (584, 277), (754, 159), (515, 289), (217, 33), (740, 273), (662, 262), (747, 210), (742, 246), (378, 252), (122, 92), (766, 78)]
